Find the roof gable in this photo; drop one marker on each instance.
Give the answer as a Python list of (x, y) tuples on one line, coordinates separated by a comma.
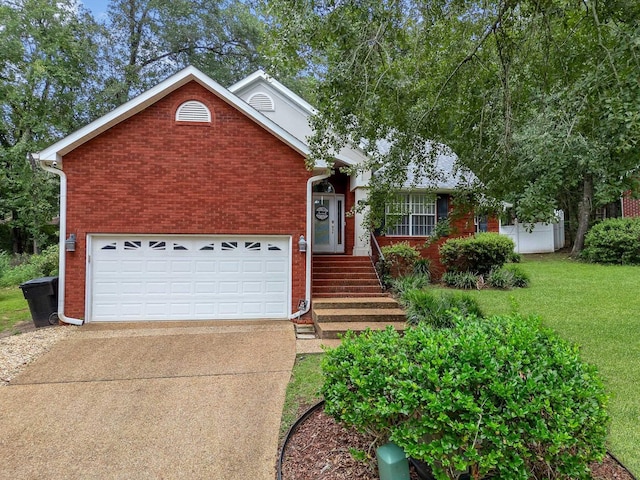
[(142, 101)]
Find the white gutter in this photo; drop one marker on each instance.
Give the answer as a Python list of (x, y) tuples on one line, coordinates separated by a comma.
[(309, 253), (51, 166)]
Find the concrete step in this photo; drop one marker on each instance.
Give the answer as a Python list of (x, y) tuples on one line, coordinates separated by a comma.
[(384, 302), (371, 315), (305, 331), (337, 329)]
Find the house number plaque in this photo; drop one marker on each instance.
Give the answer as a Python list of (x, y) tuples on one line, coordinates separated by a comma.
[(322, 213)]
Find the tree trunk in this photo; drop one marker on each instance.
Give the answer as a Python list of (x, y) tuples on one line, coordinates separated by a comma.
[(584, 215)]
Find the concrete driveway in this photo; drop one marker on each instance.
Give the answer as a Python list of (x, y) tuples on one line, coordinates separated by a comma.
[(150, 400)]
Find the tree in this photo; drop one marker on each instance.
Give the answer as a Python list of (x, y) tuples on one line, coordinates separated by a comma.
[(147, 40), (538, 98), (46, 54)]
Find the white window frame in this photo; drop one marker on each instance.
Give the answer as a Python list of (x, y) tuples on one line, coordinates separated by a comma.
[(411, 215)]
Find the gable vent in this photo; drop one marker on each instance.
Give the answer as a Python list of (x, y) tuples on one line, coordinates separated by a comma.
[(193, 111), (262, 102)]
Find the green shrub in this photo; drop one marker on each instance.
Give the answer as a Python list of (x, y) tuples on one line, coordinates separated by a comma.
[(520, 278), (479, 253), (28, 267), (515, 257), (438, 309), (411, 282), (462, 280), (5, 263), (616, 240), (399, 259), (422, 266), (494, 397), (500, 278), (47, 261), (357, 379)]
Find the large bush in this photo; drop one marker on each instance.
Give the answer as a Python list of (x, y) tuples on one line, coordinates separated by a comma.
[(494, 397), (399, 259), (43, 264), (616, 240), (479, 253)]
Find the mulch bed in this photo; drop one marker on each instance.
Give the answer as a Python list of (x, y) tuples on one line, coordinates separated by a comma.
[(319, 449)]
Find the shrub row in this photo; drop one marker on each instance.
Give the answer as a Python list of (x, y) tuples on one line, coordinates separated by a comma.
[(480, 253), (504, 278), (497, 397)]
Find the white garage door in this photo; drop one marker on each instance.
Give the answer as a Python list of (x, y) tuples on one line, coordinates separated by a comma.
[(185, 278)]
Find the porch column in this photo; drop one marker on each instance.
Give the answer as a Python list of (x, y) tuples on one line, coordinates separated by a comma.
[(361, 247)]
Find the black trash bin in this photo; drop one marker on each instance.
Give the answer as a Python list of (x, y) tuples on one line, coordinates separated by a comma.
[(42, 297)]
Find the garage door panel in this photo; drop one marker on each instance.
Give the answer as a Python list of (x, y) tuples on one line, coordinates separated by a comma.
[(205, 266), (189, 278), (182, 288), (276, 267)]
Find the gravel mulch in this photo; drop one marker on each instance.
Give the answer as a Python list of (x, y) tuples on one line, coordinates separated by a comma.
[(19, 350), (320, 450)]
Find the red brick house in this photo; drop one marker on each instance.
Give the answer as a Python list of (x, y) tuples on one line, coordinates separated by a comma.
[(193, 201)]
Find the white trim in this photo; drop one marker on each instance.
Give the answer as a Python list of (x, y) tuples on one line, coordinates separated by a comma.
[(62, 147), (62, 259)]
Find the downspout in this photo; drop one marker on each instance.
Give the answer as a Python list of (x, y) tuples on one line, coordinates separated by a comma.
[(51, 167), (309, 254)]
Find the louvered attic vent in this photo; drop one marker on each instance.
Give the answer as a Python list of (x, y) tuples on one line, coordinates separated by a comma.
[(262, 102), (193, 111)]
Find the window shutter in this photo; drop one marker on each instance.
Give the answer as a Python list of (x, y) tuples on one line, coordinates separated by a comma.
[(443, 207)]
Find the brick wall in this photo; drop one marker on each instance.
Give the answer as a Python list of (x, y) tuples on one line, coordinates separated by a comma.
[(630, 206), (149, 174)]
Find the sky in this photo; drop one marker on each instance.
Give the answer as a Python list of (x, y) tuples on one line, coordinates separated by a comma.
[(97, 7)]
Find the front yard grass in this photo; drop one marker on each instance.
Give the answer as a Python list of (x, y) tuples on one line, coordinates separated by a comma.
[(13, 307), (595, 306)]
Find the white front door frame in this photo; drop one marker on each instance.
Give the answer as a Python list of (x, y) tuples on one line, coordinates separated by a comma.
[(328, 223)]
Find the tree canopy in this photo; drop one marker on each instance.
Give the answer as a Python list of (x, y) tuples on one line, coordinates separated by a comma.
[(46, 50), (539, 98), (60, 69)]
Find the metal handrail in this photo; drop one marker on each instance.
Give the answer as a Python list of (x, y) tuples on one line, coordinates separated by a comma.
[(375, 255)]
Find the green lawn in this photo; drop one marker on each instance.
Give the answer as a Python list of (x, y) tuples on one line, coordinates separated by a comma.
[(13, 307), (597, 307)]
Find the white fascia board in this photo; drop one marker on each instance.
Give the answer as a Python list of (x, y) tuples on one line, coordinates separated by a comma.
[(142, 101)]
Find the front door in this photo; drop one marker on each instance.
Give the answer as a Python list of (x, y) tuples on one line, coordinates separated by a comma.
[(328, 223)]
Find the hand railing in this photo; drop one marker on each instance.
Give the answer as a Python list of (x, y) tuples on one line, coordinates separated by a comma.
[(376, 256)]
